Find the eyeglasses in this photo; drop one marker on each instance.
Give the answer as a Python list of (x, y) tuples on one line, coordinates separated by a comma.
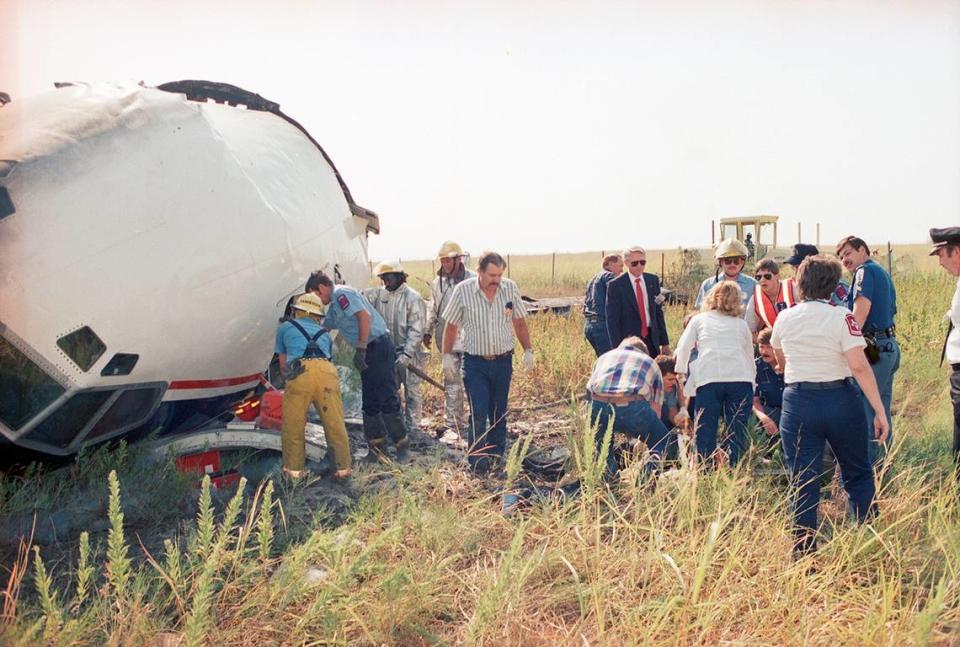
[(635, 263), (732, 260), (764, 276)]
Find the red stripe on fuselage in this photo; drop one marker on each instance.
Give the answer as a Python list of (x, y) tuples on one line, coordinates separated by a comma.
[(213, 384)]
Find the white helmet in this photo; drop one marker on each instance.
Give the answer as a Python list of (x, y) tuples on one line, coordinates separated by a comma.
[(389, 267), (731, 248)]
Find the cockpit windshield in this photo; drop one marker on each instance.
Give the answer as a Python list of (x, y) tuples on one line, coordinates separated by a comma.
[(25, 388)]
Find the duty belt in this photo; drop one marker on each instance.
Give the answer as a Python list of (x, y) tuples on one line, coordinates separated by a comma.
[(882, 333)]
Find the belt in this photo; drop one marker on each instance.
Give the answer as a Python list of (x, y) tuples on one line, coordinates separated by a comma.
[(882, 333), (491, 358), (377, 339), (822, 386), (617, 400), (595, 319)]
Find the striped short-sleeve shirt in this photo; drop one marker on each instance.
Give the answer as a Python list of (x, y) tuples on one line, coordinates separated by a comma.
[(487, 325), (627, 371)]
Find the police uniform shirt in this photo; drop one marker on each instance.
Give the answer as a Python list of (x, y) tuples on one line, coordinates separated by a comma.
[(345, 303), (953, 340), (769, 385), (487, 326), (814, 336), (871, 281), (293, 344), (746, 283)]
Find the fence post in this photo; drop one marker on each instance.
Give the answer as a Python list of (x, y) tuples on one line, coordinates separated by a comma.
[(799, 237), (508, 266), (889, 258), (553, 269)]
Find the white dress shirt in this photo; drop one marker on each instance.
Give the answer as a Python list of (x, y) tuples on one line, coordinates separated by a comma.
[(953, 341), (724, 349)]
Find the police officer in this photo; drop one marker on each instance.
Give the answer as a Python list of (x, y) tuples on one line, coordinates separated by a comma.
[(731, 256), (802, 251), (946, 246), (873, 301), (595, 303), (374, 356), (821, 348), (405, 313), (452, 272), (305, 350)]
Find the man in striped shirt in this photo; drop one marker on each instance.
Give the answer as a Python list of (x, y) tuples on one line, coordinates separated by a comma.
[(626, 393), (490, 311)]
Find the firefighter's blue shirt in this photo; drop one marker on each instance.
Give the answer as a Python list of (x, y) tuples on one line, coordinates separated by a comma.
[(871, 281), (345, 303), (292, 343)]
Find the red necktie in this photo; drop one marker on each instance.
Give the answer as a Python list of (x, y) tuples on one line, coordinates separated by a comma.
[(642, 306)]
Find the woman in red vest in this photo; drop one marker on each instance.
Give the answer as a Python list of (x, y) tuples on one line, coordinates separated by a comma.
[(771, 296)]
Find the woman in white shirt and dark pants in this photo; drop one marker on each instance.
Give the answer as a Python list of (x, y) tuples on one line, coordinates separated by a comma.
[(725, 370), (821, 347)]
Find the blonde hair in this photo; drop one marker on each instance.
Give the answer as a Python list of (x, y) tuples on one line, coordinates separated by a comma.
[(726, 298)]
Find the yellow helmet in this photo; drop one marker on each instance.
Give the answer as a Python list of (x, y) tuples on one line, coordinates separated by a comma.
[(309, 302), (731, 248), (388, 267), (450, 250)]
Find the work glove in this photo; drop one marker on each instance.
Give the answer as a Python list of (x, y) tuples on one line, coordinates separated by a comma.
[(360, 359), (403, 360), (528, 360), (426, 341), (450, 373)]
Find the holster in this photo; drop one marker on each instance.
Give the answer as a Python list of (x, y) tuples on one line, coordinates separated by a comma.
[(872, 351), (295, 369)]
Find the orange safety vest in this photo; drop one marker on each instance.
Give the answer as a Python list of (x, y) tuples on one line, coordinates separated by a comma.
[(767, 310)]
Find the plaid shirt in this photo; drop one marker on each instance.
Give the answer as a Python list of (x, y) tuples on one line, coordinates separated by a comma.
[(627, 371)]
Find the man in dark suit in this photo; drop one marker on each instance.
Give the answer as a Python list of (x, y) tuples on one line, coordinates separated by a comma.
[(634, 305)]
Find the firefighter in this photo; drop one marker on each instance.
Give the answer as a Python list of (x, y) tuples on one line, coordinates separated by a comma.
[(305, 350), (452, 271), (405, 313), (731, 256)]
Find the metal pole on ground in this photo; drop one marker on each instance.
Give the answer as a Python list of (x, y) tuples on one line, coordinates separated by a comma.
[(818, 235), (713, 233), (799, 236), (889, 258)]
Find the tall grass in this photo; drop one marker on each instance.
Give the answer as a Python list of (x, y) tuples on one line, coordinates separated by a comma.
[(705, 558)]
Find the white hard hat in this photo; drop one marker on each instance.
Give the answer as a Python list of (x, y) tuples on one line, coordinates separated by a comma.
[(309, 302), (731, 248), (388, 267), (450, 249)]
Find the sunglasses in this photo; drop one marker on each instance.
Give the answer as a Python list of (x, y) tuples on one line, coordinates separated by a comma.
[(764, 276), (635, 263), (732, 260)]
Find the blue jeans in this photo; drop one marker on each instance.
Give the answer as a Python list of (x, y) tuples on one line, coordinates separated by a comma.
[(883, 371), (596, 334), (378, 384), (638, 420), (732, 400), (487, 383), (811, 417)]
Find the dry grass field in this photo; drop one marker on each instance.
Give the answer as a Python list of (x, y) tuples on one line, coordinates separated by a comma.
[(429, 559)]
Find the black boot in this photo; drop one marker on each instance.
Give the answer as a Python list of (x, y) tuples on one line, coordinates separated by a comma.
[(375, 434), (397, 431)]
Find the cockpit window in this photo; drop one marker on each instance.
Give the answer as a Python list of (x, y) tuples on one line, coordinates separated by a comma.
[(83, 347), (68, 420), (25, 389)]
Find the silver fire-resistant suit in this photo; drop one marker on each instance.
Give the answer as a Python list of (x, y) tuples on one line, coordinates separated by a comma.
[(440, 292), (405, 312)]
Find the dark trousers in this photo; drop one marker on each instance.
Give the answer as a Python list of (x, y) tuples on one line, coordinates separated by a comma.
[(955, 398), (487, 383), (596, 334), (379, 382), (810, 418), (637, 420), (733, 401)]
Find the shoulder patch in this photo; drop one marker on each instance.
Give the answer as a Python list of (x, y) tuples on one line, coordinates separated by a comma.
[(852, 326), (858, 280), (841, 292), (343, 301)]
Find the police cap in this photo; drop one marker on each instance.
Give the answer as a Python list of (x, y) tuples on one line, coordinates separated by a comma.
[(944, 237), (800, 252)]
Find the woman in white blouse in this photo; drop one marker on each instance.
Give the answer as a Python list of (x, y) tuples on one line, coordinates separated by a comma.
[(725, 370)]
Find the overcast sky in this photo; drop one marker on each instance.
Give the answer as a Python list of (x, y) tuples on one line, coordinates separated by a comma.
[(566, 126)]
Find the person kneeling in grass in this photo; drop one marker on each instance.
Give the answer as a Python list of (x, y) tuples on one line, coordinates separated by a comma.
[(626, 390)]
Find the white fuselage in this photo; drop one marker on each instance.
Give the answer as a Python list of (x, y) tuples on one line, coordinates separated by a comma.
[(175, 230)]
